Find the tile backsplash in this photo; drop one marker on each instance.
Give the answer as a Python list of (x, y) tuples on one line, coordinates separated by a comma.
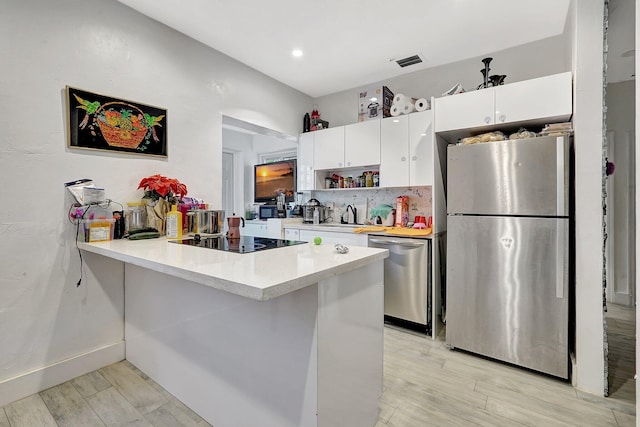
[(419, 199)]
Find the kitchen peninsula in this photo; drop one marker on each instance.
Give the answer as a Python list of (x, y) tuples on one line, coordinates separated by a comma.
[(285, 337)]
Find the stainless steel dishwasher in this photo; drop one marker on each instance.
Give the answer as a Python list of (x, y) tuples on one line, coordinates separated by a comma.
[(407, 280)]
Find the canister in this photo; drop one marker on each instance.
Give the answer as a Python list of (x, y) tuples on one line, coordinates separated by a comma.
[(136, 215)]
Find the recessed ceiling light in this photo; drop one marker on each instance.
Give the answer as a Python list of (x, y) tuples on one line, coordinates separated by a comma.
[(297, 53), (629, 53)]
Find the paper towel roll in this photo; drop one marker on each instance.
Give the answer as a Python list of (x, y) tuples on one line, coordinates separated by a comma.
[(422, 104), (408, 108), (401, 99), (396, 110)]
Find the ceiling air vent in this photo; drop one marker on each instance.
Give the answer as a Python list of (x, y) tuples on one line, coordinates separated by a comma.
[(409, 60)]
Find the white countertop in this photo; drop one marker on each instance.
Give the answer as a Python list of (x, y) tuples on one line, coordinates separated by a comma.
[(261, 275)]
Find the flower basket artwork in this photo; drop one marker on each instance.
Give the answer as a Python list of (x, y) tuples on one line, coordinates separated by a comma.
[(105, 123), (160, 193)]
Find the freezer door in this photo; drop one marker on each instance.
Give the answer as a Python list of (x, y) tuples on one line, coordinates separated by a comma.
[(519, 177), (507, 290)]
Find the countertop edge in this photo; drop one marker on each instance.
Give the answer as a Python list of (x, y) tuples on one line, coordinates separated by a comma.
[(234, 287)]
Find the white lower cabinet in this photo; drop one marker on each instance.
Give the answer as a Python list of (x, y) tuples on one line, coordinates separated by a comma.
[(330, 237), (291, 234), (271, 229)]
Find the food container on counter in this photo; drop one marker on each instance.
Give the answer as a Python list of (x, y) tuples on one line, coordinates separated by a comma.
[(96, 230)]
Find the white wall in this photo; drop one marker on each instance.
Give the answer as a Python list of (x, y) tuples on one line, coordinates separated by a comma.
[(637, 201), (105, 47), (545, 57), (587, 59)]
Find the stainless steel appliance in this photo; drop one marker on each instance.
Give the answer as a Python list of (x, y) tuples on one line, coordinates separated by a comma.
[(508, 244), (201, 221), (268, 211), (407, 279), (311, 206), (242, 244)]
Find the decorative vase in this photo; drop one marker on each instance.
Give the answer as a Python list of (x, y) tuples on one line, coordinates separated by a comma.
[(157, 214)]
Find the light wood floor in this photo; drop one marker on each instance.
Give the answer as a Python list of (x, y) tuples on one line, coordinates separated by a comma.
[(425, 384), (621, 333)]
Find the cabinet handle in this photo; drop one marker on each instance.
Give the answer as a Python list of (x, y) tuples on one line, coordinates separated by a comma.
[(414, 158), (340, 164), (487, 119), (403, 159), (348, 163), (502, 117)]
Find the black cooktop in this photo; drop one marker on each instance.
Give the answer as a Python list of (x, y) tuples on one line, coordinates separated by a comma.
[(243, 245)]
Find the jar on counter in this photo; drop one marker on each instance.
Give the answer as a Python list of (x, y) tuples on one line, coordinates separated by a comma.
[(136, 216)]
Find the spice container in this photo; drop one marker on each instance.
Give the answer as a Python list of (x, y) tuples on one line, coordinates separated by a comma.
[(368, 178), (376, 179)]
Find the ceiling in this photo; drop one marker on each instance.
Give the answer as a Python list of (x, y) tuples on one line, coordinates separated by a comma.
[(347, 44)]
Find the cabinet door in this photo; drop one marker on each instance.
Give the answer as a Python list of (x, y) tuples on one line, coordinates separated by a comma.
[(394, 151), (331, 238), (291, 234), (544, 97), (465, 110), (328, 148), (305, 174), (421, 148), (362, 144), (254, 229)]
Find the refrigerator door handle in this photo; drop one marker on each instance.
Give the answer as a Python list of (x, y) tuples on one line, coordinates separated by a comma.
[(560, 258), (560, 184)]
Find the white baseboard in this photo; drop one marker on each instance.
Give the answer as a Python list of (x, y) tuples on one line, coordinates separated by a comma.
[(622, 299), (48, 376)]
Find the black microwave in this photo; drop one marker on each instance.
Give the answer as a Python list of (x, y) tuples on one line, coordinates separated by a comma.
[(268, 211)]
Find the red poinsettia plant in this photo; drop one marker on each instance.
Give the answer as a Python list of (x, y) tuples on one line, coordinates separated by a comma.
[(158, 186)]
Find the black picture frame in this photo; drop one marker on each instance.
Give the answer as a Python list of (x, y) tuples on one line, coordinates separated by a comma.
[(101, 122)]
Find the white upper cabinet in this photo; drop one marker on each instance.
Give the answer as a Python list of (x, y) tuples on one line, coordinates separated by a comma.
[(394, 151), (546, 98), (465, 110), (328, 148), (407, 150), (421, 158), (362, 144), (305, 171)]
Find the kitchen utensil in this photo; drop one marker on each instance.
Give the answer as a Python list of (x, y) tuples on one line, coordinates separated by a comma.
[(234, 226), (391, 218), (201, 221)]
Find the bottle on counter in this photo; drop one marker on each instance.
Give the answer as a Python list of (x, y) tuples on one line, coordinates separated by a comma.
[(316, 216), (174, 223)]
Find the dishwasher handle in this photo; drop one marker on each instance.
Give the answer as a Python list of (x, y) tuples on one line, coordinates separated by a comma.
[(396, 242)]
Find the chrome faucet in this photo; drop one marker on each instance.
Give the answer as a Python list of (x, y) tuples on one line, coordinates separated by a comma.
[(355, 214)]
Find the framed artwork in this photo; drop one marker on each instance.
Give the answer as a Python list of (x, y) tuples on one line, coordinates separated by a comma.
[(100, 122)]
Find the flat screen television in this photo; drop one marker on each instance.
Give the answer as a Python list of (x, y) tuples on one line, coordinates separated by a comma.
[(271, 179)]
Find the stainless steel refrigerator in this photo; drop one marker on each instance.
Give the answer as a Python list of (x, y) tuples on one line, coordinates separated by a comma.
[(508, 231)]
